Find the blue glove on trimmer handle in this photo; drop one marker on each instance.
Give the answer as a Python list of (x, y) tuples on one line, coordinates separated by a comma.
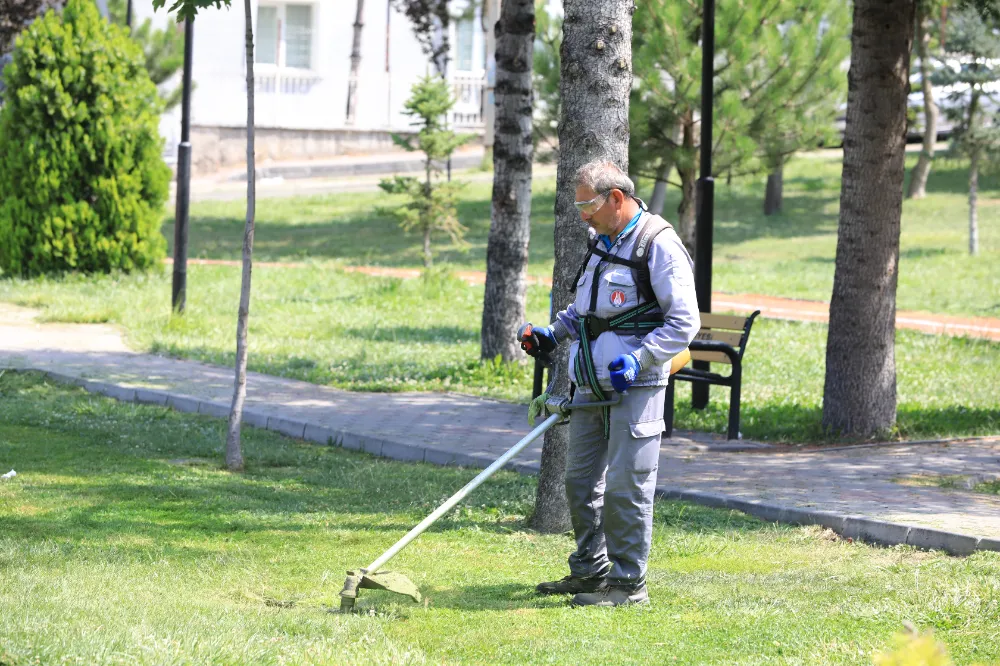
[(624, 369)]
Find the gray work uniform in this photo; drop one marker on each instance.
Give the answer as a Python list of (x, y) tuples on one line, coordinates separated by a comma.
[(610, 481)]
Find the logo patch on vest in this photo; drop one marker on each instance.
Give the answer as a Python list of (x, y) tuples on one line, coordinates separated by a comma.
[(617, 298)]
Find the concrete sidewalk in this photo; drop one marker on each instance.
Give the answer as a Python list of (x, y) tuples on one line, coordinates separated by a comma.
[(852, 491), (346, 173)]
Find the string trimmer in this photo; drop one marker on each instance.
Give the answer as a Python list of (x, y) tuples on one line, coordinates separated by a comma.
[(372, 578)]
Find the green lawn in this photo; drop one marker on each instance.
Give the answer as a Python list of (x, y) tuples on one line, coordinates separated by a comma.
[(384, 334), (322, 325), (122, 541), (791, 254)]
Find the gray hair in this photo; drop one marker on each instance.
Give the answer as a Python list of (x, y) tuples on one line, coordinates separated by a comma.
[(603, 175)]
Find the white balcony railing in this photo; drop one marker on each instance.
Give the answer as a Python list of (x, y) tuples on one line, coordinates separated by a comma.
[(284, 82), (468, 88)]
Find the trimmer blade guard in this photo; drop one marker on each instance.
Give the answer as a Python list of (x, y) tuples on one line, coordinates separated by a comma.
[(389, 581)]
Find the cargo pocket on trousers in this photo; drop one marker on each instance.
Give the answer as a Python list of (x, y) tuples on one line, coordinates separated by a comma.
[(642, 429), (646, 445)]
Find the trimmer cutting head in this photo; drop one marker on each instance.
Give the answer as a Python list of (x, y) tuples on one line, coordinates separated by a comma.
[(381, 580)]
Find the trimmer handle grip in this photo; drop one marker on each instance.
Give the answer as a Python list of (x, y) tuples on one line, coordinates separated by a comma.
[(529, 339)]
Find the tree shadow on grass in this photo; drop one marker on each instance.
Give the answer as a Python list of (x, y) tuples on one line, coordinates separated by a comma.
[(926, 252), (954, 420)]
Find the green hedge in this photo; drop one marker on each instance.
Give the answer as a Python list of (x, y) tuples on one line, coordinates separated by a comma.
[(82, 178)]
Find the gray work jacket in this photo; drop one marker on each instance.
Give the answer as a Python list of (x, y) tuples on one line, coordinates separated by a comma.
[(670, 271)]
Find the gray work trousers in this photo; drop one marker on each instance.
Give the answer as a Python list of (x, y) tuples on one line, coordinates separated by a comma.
[(610, 485)]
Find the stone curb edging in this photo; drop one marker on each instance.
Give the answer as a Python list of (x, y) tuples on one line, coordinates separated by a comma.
[(859, 528)]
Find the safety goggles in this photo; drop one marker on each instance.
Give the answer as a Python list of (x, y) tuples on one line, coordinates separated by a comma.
[(593, 205)]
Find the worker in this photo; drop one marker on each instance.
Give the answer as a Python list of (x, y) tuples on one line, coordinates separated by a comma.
[(635, 308)]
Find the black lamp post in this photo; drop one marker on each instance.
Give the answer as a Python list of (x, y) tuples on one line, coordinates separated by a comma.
[(706, 191), (179, 287)]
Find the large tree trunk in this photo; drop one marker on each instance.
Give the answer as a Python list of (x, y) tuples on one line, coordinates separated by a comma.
[(234, 451), (687, 169), (918, 179), (973, 204), (510, 226), (774, 191), (859, 397), (352, 80), (596, 76)]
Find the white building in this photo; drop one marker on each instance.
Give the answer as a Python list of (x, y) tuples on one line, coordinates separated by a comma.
[(302, 66)]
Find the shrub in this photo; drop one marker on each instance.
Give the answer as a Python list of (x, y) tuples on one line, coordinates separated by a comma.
[(82, 178)]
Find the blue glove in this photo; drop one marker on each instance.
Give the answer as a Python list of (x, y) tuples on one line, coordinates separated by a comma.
[(624, 369), (547, 338), (536, 341)]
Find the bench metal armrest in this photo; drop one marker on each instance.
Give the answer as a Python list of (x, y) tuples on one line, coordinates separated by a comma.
[(746, 332), (716, 346)]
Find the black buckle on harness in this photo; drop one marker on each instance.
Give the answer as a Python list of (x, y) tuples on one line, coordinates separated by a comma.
[(595, 326)]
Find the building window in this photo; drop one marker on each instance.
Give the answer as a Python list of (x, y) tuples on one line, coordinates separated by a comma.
[(298, 51), (284, 35), (267, 35), (464, 33)]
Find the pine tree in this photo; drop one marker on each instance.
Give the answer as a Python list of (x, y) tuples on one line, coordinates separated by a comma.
[(971, 62), (797, 89), (431, 204), (778, 85)]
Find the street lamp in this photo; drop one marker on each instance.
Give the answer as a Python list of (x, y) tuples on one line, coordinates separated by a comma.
[(706, 191), (179, 287)]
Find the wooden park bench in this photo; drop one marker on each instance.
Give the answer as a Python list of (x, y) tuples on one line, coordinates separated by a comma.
[(722, 339)]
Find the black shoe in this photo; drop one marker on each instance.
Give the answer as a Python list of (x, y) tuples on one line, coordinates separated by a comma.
[(612, 595), (570, 585)]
